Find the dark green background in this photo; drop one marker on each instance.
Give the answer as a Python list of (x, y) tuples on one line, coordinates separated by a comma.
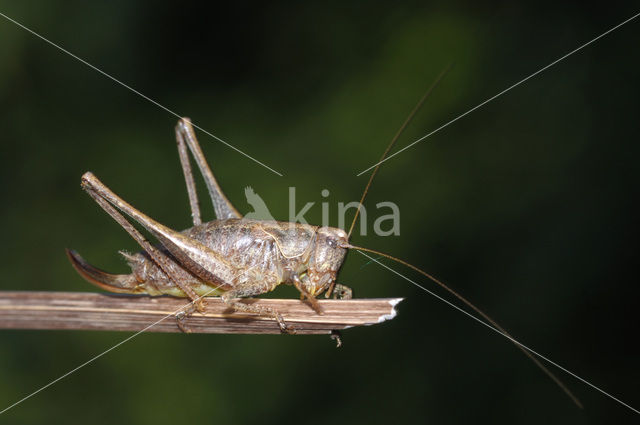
[(528, 206)]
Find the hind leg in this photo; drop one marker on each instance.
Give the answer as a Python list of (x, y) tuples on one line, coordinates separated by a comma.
[(156, 255), (195, 257), (186, 137)]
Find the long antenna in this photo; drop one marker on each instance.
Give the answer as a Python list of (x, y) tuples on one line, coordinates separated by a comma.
[(395, 138), (481, 313)]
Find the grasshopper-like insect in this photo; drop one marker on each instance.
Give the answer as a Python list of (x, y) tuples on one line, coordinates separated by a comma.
[(233, 257)]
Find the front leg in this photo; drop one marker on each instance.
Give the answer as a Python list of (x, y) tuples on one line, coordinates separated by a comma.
[(305, 294), (342, 292), (98, 192), (198, 259), (339, 292)]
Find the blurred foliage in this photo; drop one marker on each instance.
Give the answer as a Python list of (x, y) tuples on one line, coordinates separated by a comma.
[(528, 205)]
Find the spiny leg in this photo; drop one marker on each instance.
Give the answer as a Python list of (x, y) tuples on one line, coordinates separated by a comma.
[(341, 292), (156, 255), (222, 207), (182, 315), (250, 289), (192, 255), (305, 294), (337, 337), (188, 177)]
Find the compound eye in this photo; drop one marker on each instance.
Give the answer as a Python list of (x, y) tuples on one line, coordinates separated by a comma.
[(332, 243)]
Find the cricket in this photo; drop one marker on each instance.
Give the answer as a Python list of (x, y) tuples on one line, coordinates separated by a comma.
[(233, 257)]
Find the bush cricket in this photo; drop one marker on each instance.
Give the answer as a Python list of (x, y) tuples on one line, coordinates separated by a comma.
[(233, 257)]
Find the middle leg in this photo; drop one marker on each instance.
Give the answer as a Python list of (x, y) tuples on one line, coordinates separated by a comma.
[(249, 289)]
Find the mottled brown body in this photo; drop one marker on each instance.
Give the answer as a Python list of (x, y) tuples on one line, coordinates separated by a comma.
[(252, 245), (231, 256)]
